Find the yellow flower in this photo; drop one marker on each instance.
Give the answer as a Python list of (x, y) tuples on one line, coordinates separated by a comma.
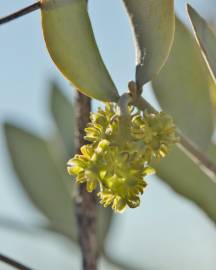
[(117, 158), (157, 131)]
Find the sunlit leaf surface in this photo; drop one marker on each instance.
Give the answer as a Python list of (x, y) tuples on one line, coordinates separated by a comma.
[(70, 41), (206, 39), (153, 23)]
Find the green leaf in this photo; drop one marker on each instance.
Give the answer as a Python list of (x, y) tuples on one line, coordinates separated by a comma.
[(45, 181), (63, 113), (206, 39), (153, 23), (183, 88), (41, 178), (71, 43), (186, 178)]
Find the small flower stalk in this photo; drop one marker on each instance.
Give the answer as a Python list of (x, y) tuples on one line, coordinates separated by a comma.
[(121, 147)]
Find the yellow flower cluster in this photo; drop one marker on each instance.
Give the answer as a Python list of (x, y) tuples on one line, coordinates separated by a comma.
[(120, 150), (156, 131)]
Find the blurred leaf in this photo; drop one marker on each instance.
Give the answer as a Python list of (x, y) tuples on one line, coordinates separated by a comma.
[(39, 174), (183, 87), (71, 43), (186, 178), (63, 113), (153, 23), (206, 39), (43, 178)]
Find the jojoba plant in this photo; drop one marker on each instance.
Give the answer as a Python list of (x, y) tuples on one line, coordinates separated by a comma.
[(121, 139), (127, 138)]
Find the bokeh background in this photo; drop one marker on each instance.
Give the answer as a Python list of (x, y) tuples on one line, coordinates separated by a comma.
[(167, 232)]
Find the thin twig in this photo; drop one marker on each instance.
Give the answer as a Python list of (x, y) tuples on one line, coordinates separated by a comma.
[(13, 263), (85, 202), (20, 13), (185, 144)]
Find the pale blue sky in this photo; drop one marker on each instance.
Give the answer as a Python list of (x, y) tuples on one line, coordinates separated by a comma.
[(166, 232)]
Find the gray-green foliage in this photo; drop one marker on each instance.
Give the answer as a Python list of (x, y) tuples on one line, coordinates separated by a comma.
[(40, 166), (42, 176), (184, 88)]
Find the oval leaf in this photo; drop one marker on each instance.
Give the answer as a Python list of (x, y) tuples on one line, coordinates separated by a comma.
[(183, 88), (41, 178), (153, 23), (70, 41), (206, 39)]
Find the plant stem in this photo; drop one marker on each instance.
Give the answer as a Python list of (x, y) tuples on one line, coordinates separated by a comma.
[(20, 13), (185, 144), (85, 202), (13, 263)]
